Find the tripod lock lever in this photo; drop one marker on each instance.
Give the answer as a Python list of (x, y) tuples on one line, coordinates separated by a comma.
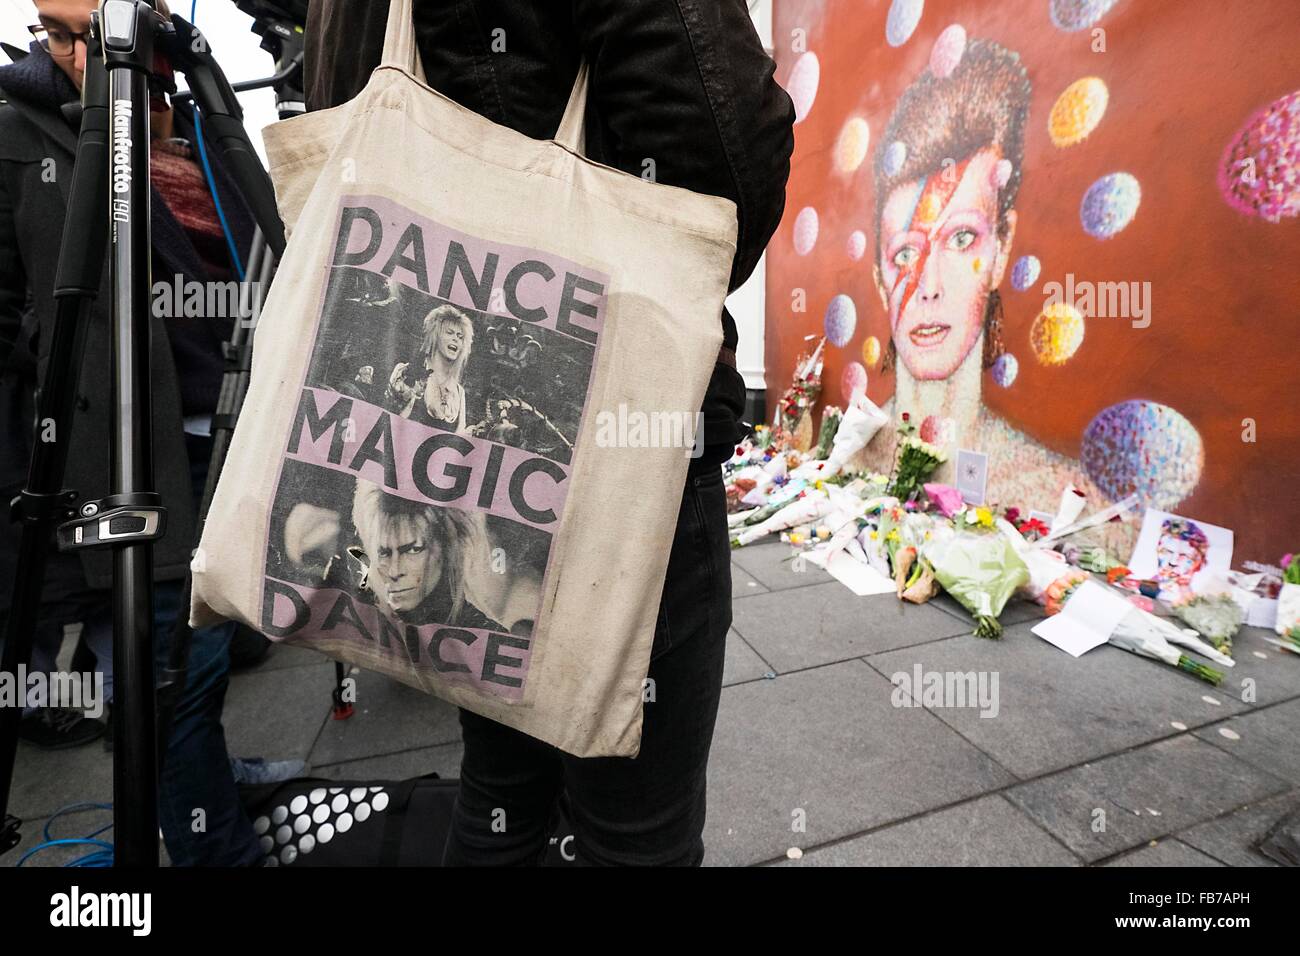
[(118, 519)]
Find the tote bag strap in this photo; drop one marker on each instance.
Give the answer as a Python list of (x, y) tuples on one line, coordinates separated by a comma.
[(400, 49), (571, 132)]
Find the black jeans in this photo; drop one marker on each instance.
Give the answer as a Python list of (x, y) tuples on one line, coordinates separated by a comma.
[(647, 810)]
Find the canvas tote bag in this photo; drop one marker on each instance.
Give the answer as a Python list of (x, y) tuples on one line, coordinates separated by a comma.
[(458, 463)]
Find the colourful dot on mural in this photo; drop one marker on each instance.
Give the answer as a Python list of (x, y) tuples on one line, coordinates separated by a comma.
[(805, 76), (805, 230), (841, 319), (947, 51), (1057, 333), (1259, 174), (903, 17), (1077, 111), (1005, 369), (937, 430), (895, 157), (853, 380), (851, 149), (1025, 273), (1002, 173), (857, 244), (1109, 205), (1143, 447), (871, 350), (1071, 15)]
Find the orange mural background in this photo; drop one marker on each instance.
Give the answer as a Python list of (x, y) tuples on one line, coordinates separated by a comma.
[(1223, 345)]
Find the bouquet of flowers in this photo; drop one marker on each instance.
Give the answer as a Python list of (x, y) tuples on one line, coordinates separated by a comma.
[(1147, 635), (915, 462), (1216, 617), (796, 404), (981, 571), (913, 577), (1057, 592), (831, 417), (805, 509), (1288, 599)]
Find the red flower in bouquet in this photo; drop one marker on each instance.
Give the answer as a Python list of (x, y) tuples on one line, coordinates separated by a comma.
[(1033, 526)]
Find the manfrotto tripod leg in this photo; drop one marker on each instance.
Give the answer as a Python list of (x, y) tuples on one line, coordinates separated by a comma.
[(43, 503)]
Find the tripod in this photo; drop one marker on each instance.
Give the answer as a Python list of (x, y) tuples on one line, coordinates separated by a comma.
[(111, 175)]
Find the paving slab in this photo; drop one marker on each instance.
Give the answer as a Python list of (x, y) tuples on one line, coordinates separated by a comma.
[(443, 760), (742, 663), (743, 584), (45, 780), (1275, 677), (1266, 738), (988, 831), (286, 655), (277, 714), (389, 717), (1164, 853), (826, 748), (770, 565), (1231, 838), (1144, 795), (1054, 710), (807, 627)]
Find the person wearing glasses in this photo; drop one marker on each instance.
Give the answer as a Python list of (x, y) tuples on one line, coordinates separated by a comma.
[(37, 150)]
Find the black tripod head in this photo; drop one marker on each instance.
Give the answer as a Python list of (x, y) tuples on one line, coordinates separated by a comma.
[(281, 26)]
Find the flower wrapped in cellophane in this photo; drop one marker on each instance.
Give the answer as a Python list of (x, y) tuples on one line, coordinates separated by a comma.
[(981, 570), (1143, 633), (1216, 617)]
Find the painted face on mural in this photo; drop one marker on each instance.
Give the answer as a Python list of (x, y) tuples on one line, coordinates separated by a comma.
[(940, 257)]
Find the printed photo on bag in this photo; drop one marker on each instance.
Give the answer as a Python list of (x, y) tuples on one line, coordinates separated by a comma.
[(429, 459)]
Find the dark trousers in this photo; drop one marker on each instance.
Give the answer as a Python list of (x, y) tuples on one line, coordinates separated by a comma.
[(197, 774), (647, 810)]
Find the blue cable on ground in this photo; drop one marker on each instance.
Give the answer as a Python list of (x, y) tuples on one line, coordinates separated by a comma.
[(101, 857)]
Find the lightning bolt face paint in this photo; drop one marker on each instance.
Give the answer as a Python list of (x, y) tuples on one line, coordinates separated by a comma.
[(936, 193), (941, 232)]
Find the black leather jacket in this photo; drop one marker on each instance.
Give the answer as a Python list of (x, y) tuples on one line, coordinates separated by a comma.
[(685, 83)]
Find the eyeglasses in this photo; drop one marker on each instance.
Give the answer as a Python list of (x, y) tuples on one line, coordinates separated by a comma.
[(58, 41)]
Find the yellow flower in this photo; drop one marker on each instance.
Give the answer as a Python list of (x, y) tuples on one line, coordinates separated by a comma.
[(893, 535), (985, 517), (796, 537), (875, 535)]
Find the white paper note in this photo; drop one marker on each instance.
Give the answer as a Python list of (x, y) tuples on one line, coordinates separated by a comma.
[(861, 579), (1087, 620)]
